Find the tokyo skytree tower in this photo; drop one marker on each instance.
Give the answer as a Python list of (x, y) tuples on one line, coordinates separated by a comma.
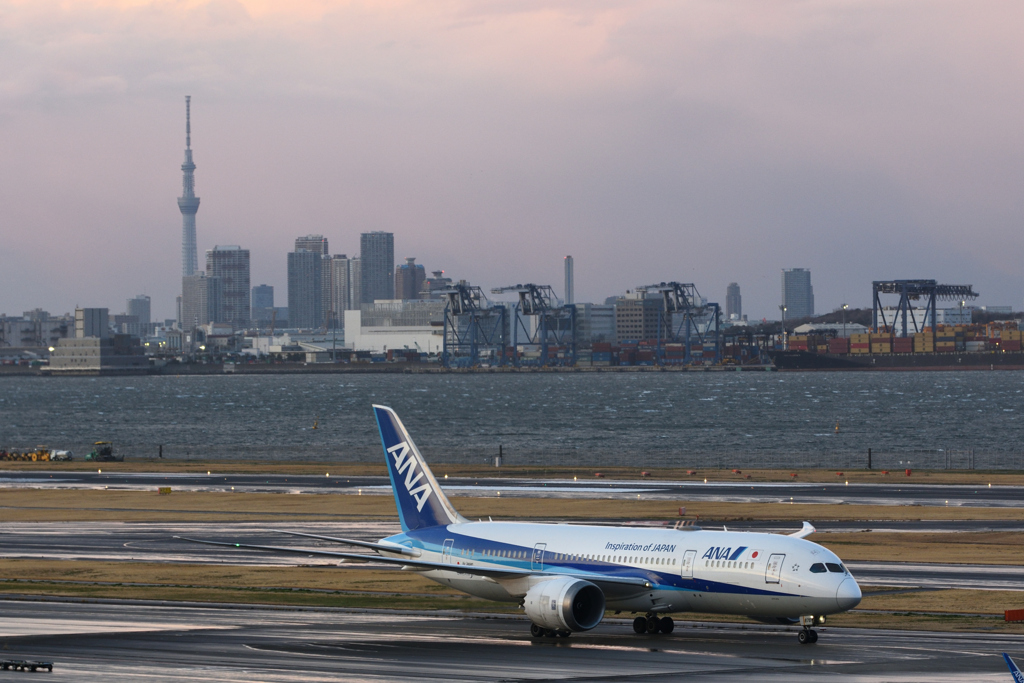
[(188, 202)]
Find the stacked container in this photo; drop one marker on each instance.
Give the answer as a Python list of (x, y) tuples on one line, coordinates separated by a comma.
[(860, 343), (839, 345), (881, 342)]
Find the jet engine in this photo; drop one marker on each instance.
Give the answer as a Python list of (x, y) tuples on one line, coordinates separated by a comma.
[(565, 604)]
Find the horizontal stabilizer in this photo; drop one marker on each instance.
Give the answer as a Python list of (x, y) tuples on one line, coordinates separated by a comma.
[(408, 552)]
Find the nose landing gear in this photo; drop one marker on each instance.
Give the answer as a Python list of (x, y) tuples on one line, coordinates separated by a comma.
[(807, 636)]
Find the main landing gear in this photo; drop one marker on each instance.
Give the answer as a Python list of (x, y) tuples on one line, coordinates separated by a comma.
[(652, 624), (807, 636), (541, 632)]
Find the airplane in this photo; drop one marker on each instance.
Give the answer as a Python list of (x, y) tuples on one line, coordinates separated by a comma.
[(1018, 677), (565, 577)]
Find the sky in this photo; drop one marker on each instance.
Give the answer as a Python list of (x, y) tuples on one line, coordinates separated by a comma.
[(697, 141)]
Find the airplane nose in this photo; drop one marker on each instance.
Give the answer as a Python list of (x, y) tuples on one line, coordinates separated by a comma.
[(848, 595)]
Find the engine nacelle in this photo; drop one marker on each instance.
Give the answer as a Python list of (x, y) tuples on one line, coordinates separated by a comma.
[(565, 604)]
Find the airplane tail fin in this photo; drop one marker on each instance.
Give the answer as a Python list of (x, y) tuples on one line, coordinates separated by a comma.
[(1018, 677), (420, 501)]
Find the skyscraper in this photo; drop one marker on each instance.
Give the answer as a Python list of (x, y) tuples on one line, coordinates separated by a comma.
[(570, 293), (262, 307), (409, 279), (188, 202), (341, 286), (230, 264), (140, 308), (797, 293), (305, 289), (317, 243), (377, 253), (355, 283), (201, 300), (733, 302)]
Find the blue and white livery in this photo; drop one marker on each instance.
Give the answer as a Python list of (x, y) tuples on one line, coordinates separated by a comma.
[(1018, 677), (566, 576)]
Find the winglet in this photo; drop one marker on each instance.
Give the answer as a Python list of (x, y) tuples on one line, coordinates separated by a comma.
[(421, 502), (1018, 677), (805, 531)]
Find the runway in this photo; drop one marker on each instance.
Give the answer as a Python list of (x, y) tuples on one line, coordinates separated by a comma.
[(155, 542), (889, 493), (99, 641)]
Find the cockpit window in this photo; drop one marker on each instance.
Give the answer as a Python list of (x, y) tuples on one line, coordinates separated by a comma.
[(818, 568), (836, 568)]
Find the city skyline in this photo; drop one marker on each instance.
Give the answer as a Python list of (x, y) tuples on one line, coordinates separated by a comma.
[(765, 138)]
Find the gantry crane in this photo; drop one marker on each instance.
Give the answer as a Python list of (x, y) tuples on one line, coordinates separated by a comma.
[(472, 324), (914, 290), (552, 324), (686, 317)]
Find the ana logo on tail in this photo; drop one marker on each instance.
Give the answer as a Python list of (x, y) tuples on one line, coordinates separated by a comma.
[(404, 460)]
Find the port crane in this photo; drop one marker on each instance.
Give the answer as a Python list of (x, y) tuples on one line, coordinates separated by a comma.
[(551, 323), (686, 316), (471, 325), (915, 290)]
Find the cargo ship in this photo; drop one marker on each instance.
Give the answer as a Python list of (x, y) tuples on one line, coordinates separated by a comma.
[(996, 346)]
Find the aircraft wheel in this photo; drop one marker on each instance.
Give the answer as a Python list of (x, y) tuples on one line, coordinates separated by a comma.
[(536, 631), (814, 636), (640, 625), (551, 633), (564, 634), (667, 625), (804, 637), (653, 625)]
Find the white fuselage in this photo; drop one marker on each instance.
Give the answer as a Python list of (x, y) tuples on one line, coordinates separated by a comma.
[(761, 575)]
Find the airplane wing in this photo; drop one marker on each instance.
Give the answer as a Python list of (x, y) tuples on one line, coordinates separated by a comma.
[(491, 572)]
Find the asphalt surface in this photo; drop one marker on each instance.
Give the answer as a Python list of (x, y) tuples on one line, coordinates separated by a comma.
[(898, 492), (155, 542), (97, 641)]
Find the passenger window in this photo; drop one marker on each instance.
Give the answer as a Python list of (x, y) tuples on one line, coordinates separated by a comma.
[(818, 568), (836, 568)]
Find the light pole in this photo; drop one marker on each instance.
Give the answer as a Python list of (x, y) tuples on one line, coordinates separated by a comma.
[(962, 303), (845, 306), (785, 345)]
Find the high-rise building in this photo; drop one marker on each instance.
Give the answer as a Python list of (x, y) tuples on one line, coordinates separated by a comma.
[(262, 303), (188, 202), (201, 300), (317, 243), (341, 287), (637, 319), (570, 293), (305, 289), (433, 286), (409, 280), (140, 308), (797, 293), (377, 252), (355, 283), (231, 264), (328, 314), (733, 302)]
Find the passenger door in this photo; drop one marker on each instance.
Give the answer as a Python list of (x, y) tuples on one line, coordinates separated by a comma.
[(686, 568), (446, 551), (538, 556), (774, 568)]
